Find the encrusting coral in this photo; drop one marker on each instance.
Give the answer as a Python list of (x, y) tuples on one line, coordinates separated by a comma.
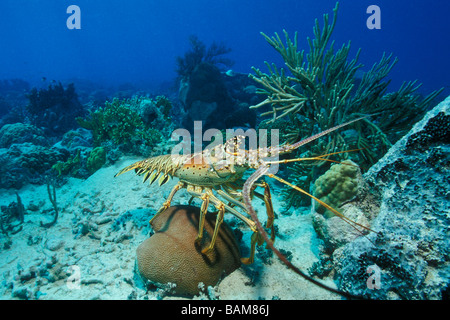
[(337, 185), (16, 133), (171, 256)]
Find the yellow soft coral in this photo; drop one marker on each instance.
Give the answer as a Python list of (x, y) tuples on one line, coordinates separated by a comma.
[(337, 185)]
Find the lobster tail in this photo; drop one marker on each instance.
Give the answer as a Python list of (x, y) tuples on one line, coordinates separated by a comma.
[(152, 168), (135, 166)]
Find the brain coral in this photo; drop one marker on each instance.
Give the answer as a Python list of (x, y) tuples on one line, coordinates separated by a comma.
[(337, 185), (170, 255)]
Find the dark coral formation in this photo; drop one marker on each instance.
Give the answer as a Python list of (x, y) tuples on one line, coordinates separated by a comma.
[(199, 54), (12, 95), (54, 109), (210, 95), (12, 216), (437, 130)]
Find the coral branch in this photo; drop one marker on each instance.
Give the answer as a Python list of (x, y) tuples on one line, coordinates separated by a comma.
[(52, 196)]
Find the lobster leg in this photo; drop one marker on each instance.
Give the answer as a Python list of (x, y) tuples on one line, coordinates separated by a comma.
[(206, 197), (256, 239), (269, 209), (166, 203), (201, 222), (228, 197)]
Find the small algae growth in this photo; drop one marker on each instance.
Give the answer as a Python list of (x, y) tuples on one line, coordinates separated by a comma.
[(71, 166), (97, 158)]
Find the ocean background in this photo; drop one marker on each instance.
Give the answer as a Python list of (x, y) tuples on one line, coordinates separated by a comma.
[(67, 221), (137, 42)]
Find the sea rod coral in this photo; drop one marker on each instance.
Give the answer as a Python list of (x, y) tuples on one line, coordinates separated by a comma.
[(320, 89)]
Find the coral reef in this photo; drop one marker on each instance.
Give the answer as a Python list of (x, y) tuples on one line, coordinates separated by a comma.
[(319, 90), (116, 122), (204, 94), (26, 163), (26, 155), (407, 196), (170, 255), (120, 123), (216, 99), (70, 166), (54, 109), (41, 146), (17, 133)]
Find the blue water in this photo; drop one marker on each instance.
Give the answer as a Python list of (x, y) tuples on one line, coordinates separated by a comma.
[(137, 41)]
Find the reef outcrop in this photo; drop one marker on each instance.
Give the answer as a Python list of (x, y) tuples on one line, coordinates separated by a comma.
[(408, 190)]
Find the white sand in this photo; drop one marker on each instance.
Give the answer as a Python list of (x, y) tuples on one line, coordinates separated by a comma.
[(37, 263)]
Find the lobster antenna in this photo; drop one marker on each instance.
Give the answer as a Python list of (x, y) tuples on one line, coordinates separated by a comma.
[(340, 215), (290, 147), (246, 189)]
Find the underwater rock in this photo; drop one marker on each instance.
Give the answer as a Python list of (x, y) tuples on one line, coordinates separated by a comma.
[(408, 257), (76, 139), (22, 293), (217, 99), (170, 254), (205, 87), (54, 244)]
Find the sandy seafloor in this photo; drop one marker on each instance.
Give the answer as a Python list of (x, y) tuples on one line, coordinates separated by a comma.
[(37, 263)]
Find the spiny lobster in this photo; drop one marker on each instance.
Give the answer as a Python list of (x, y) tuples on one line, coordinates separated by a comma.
[(207, 171)]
